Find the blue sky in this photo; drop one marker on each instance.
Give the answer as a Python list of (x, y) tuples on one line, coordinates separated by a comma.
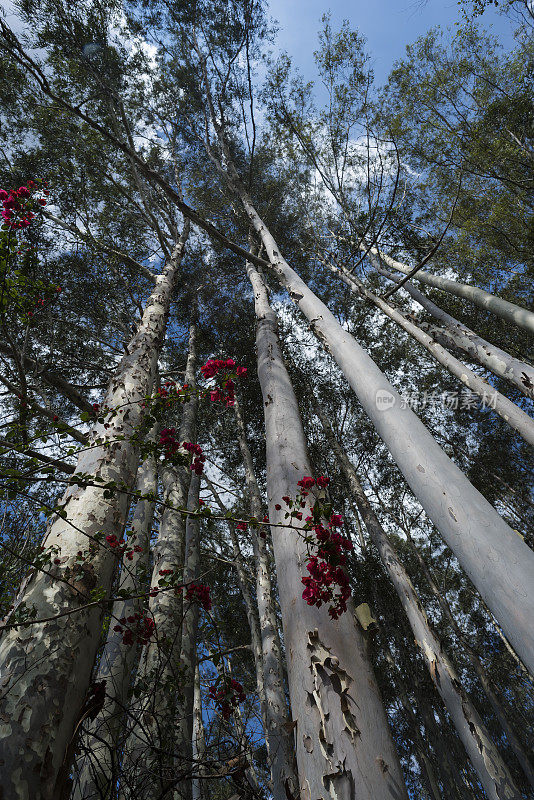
[(388, 25)]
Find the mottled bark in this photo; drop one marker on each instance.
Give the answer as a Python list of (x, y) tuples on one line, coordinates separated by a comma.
[(484, 755), (46, 667), (454, 333), (279, 736), (479, 297), (344, 747), (97, 770), (489, 396)]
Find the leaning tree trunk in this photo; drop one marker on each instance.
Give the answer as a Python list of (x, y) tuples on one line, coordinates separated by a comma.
[(454, 783), (148, 747), (343, 743), (484, 755), (489, 690), (279, 736), (455, 334), (497, 560), (512, 414), (414, 724), (46, 666), (150, 715), (97, 773), (509, 312)]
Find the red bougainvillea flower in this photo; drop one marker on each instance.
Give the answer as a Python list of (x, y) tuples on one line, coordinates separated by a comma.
[(18, 206), (199, 593), (227, 694)]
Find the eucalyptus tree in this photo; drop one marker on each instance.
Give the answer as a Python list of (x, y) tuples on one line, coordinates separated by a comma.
[(149, 130)]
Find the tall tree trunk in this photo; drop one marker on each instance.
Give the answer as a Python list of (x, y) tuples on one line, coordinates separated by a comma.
[(279, 735), (471, 527), (98, 768), (46, 667), (199, 788), (188, 650), (511, 413), (454, 782), (149, 745), (344, 747), (420, 744), (509, 312), (455, 334), (489, 690), (484, 755), (252, 616)]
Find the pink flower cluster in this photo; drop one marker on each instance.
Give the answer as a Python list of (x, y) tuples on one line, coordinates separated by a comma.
[(199, 593), (198, 457), (226, 394), (227, 694), (171, 445), (326, 568), (216, 365), (169, 442), (17, 205), (120, 546), (135, 628), (327, 581)]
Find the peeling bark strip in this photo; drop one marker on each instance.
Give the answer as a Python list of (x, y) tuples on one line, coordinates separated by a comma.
[(497, 560), (46, 667), (456, 334), (278, 729), (98, 770), (483, 753), (344, 746), (512, 414), (479, 297)]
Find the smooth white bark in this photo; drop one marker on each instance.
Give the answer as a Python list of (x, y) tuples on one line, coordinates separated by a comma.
[(343, 743), (455, 334), (281, 750), (97, 772), (479, 297), (490, 397), (484, 755)]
